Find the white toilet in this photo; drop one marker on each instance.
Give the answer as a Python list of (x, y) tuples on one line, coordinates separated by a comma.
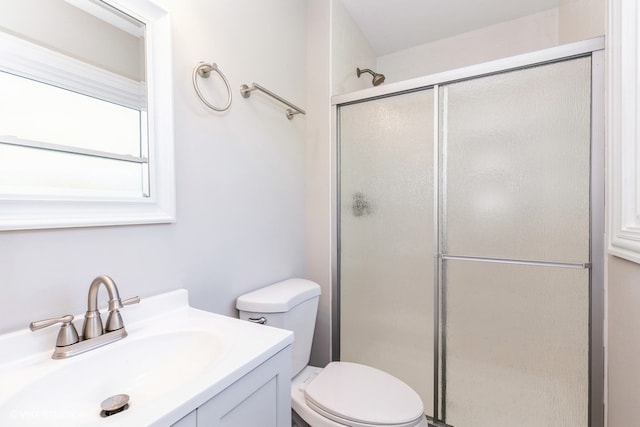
[(343, 393)]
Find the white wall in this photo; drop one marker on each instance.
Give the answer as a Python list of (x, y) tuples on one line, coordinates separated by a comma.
[(319, 203), (240, 181), (349, 50), (527, 34), (572, 21), (580, 20), (623, 347)]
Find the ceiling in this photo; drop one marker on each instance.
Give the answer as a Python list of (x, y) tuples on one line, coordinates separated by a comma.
[(392, 25)]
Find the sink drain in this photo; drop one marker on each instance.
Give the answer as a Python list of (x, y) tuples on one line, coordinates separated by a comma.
[(114, 404)]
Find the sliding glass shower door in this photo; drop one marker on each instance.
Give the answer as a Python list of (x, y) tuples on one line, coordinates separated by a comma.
[(515, 247), (387, 234), (465, 244)]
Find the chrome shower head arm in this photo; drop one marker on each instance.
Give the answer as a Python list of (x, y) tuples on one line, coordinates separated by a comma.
[(377, 77)]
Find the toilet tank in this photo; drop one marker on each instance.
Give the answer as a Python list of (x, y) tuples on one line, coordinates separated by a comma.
[(292, 305)]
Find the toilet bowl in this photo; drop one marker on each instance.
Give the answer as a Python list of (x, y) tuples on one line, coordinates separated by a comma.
[(355, 395), (343, 393)]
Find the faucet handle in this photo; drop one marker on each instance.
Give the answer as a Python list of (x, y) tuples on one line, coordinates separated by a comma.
[(67, 335), (131, 301), (114, 320)]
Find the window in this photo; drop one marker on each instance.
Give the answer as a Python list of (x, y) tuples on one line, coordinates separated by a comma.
[(79, 144), (56, 142)]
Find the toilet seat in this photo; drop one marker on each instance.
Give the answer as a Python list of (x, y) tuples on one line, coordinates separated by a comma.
[(357, 395)]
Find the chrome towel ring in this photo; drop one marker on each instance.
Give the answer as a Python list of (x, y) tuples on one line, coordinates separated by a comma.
[(204, 70)]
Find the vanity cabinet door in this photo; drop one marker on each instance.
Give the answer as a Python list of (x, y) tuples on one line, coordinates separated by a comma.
[(189, 420), (260, 398)]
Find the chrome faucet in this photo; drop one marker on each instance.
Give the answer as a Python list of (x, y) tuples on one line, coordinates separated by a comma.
[(93, 334), (92, 326)]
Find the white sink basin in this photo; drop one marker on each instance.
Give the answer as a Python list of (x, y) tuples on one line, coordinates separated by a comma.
[(143, 368), (171, 362)]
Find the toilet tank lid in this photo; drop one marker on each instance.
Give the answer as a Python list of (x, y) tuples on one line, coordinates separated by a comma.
[(279, 297)]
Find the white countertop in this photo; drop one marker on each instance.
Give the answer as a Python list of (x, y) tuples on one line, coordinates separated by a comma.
[(213, 352)]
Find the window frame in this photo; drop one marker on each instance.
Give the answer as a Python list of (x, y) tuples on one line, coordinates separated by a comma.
[(624, 130), (29, 60)]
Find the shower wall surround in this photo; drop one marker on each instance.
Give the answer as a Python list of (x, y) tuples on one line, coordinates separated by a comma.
[(570, 21), (240, 182), (527, 34)]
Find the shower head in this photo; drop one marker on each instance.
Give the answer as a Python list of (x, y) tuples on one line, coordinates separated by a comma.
[(377, 77)]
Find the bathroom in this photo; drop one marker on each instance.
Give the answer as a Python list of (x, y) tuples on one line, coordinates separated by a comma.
[(254, 196)]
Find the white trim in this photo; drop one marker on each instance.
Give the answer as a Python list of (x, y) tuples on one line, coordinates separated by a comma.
[(21, 142), (25, 213), (120, 20), (623, 136), (500, 65), (36, 62)]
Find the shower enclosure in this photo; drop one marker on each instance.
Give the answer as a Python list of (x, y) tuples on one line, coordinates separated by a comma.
[(470, 240)]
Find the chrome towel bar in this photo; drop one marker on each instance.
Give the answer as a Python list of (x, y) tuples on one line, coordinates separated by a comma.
[(245, 91)]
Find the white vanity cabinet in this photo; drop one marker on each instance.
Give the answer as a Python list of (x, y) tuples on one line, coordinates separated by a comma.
[(262, 398), (189, 420)]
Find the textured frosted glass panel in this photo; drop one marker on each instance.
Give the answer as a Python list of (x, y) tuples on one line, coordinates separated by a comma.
[(516, 345), (386, 243), (516, 169)]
